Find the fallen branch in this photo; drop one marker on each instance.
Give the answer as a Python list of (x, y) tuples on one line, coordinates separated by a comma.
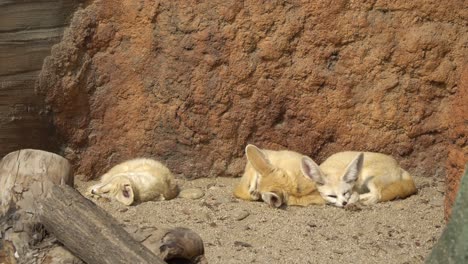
[(88, 231)]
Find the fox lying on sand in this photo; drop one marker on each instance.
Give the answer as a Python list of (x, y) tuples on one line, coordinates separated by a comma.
[(137, 180), (276, 178), (347, 177)]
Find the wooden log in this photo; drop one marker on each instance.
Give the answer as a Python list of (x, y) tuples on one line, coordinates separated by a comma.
[(22, 176), (26, 175), (88, 231)]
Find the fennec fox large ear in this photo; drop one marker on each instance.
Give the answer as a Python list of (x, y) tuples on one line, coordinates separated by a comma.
[(125, 193), (258, 160), (310, 169), (272, 199), (354, 169)]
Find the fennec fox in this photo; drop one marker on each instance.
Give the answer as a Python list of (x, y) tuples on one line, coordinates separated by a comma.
[(137, 180), (347, 177), (276, 178)]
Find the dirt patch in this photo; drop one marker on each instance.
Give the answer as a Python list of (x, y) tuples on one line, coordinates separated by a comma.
[(236, 231)]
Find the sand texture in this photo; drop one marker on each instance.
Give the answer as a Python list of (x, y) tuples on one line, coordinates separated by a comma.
[(236, 231)]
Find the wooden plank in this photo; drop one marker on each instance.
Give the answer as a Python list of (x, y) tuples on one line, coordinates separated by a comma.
[(28, 29), (19, 15)]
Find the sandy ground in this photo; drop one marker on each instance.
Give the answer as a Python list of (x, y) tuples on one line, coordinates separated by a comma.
[(236, 231)]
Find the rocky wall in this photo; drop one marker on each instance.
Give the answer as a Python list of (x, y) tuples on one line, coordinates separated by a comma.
[(457, 159), (192, 82)]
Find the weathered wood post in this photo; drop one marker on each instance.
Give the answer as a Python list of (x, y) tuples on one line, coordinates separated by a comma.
[(26, 175)]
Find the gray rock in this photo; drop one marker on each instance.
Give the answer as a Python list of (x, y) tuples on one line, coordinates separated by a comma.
[(240, 215), (452, 246), (192, 193)]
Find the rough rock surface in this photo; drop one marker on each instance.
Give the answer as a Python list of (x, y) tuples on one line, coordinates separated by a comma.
[(457, 159), (452, 246), (192, 82)]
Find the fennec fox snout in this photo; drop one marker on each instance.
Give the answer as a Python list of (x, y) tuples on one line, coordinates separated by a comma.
[(347, 177), (275, 177), (135, 181)]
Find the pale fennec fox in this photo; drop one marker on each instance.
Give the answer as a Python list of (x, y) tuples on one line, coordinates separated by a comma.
[(135, 181), (276, 178), (347, 177)]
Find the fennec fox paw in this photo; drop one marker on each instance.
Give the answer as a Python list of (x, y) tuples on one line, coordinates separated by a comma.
[(354, 198), (254, 194), (369, 198), (91, 191), (253, 189)]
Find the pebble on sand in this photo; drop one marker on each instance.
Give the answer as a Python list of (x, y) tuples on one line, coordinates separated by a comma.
[(240, 215), (192, 193)]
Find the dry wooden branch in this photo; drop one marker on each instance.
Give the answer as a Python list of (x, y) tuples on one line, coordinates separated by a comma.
[(88, 231)]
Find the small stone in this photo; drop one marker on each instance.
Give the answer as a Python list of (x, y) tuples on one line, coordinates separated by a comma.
[(240, 215), (123, 210), (241, 244), (437, 202), (192, 193), (353, 207)]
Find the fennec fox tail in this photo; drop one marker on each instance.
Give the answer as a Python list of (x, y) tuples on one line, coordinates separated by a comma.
[(135, 181), (275, 177), (347, 177)]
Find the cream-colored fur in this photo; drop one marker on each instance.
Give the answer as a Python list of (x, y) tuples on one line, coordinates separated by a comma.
[(368, 177), (276, 178), (137, 180)]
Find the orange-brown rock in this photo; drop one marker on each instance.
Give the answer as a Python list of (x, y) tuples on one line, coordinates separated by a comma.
[(457, 159), (192, 82)]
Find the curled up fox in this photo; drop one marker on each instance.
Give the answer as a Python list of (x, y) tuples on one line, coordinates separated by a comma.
[(287, 177), (276, 178), (368, 177), (137, 180)]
